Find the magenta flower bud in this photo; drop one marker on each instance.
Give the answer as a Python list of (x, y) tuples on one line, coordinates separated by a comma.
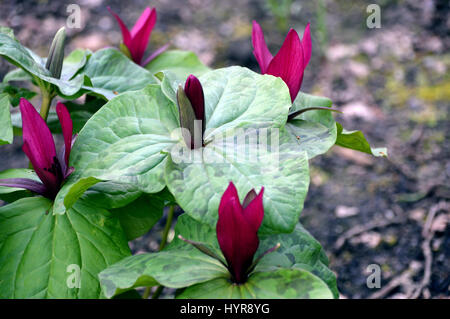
[(136, 40), (237, 230), (191, 107), (289, 63), (194, 91), (39, 146)]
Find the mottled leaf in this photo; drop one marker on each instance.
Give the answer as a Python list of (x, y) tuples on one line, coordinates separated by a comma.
[(314, 131), (277, 284)]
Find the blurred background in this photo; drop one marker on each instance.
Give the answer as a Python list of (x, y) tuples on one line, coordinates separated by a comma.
[(392, 82)]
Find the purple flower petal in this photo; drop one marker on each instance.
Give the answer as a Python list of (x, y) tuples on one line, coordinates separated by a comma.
[(67, 130), (260, 50), (25, 183), (155, 54), (194, 91), (288, 63), (237, 237), (126, 36), (140, 35)]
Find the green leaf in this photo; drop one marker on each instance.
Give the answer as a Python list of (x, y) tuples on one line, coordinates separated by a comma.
[(180, 63), (17, 75), (278, 284), (138, 217), (171, 268), (40, 253), (123, 143), (6, 129), (297, 250), (236, 97), (169, 84), (314, 131), (10, 194), (199, 185), (110, 73), (185, 264), (110, 195), (73, 188), (15, 93), (71, 65), (74, 62), (24, 58), (8, 31), (128, 139), (356, 140)]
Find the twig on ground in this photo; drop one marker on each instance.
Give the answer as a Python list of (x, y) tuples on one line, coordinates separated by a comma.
[(403, 280), (428, 234), (359, 229)]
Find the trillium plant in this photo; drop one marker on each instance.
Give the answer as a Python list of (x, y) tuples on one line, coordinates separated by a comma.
[(220, 155)]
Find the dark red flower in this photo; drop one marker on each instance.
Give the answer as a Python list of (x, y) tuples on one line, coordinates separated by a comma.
[(39, 146), (289, 63), (191, 107), (137, 39), (237, 230)]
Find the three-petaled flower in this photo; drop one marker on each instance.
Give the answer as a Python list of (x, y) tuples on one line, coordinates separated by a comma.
[(237, 230), (136, 40), (289, 63), (39, 146), (237, 233)]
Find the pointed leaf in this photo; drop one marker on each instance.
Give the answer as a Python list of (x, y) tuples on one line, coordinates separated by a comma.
[(6, 129), (356, 140), (124, 143), (41, 253), (111, 73)]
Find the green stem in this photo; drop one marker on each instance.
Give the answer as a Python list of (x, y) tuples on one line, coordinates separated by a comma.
[(157, 292), (161, 247), (167, 227), (45, 104), (147, 292)]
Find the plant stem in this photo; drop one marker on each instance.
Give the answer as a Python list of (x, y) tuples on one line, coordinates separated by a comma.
[(167, 227), (161, 247), (45, 104), (157, 292)]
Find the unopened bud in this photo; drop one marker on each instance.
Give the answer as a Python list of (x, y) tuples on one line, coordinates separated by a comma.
[(56, 54)]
